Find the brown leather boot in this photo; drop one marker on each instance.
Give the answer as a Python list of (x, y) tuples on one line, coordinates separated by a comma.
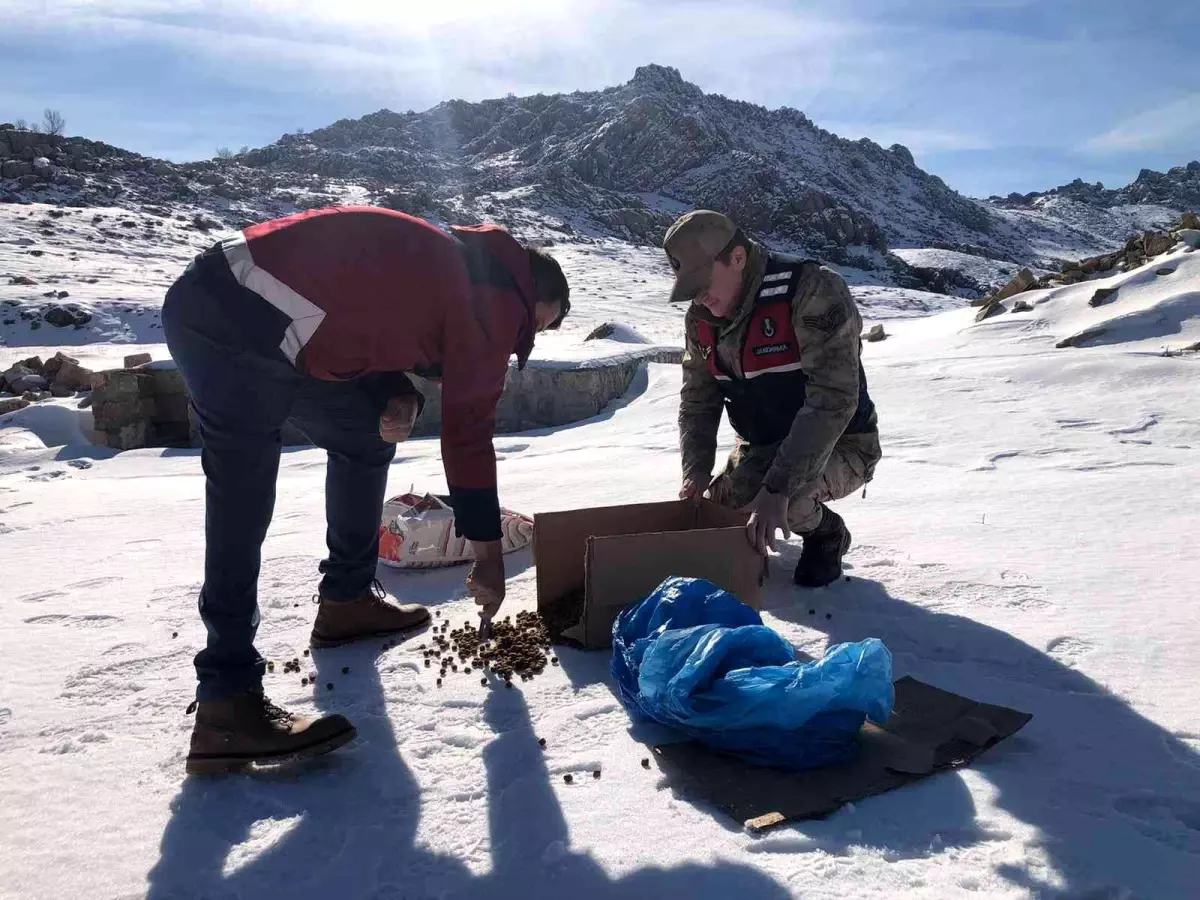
[(249, 728), (368, 616)]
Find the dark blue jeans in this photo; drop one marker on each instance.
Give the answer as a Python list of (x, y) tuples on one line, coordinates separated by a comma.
[(243, 392)]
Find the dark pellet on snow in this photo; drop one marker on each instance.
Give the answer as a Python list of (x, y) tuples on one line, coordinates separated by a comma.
[(541, 742), (645, 763), (174, 634), (596, 774), (306, 653), (303, 682), (568, 779), (483, 681)]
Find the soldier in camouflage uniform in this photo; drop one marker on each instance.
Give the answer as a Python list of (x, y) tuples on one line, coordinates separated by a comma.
[(775, 341)]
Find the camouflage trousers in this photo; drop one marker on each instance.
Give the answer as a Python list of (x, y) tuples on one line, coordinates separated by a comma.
[(850, 466)]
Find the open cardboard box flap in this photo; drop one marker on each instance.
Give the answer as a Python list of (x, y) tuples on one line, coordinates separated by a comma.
[(616, 555)]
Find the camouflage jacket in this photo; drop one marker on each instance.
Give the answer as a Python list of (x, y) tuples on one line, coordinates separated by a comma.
[(827, 328)]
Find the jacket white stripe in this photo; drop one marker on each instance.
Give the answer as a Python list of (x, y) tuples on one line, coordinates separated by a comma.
[(773, 291), (777, 276), (305, 315), (786, 367)]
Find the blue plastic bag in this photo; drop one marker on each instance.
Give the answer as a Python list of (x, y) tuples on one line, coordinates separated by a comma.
[(696, 658)]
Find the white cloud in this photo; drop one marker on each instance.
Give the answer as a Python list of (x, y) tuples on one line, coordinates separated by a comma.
[(1166, 127), (468, 48)]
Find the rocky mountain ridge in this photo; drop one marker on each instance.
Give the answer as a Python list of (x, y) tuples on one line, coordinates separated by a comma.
[(1178, 187), (621, 162)]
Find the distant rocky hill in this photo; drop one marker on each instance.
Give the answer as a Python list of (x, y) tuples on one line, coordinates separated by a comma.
[(621, 162), (1178, 188)]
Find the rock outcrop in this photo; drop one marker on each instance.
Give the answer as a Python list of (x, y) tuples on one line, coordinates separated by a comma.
[(59, 376)]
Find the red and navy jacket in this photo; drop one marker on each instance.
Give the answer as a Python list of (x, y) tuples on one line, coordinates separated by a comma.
[(763, 401), (365, 290)]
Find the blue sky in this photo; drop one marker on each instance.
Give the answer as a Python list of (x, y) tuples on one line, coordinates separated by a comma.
[(992, 95)]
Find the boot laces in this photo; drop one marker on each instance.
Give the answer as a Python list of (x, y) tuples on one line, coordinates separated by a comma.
[(273, 712), (269, 709)]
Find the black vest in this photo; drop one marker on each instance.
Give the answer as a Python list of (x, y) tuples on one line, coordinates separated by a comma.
[(763, 403)]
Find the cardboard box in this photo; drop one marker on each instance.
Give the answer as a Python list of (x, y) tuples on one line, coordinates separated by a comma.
[(616, 555), (930, 731)]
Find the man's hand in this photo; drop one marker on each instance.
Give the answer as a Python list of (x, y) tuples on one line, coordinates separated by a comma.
[(486, 580), (396, 423), (693, 488), (768, 512)]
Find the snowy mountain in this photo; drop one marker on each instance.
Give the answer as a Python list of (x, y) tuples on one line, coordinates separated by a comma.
[(619, 163)]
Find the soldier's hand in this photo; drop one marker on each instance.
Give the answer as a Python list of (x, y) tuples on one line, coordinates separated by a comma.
[(693, 488), (396, 422), (768, 514), (486, 580)]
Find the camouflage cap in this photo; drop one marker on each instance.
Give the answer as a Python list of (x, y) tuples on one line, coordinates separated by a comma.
[(692, 244)]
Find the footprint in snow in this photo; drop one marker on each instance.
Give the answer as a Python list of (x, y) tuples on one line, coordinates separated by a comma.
[(1172, 821), (94, 582), (41, 597), (1144, 425), (94, 621), (1068, 650), (48, 476)]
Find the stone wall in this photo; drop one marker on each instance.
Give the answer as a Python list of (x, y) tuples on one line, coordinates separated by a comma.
[(145, 406), (541, 397)]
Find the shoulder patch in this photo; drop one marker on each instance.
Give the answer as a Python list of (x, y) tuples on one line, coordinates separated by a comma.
[(830, 320)]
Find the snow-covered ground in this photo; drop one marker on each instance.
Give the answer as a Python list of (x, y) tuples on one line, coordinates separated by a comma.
[(1029, 540), (983, 270), (1062, 228), (1058, 228), (114, 263)]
